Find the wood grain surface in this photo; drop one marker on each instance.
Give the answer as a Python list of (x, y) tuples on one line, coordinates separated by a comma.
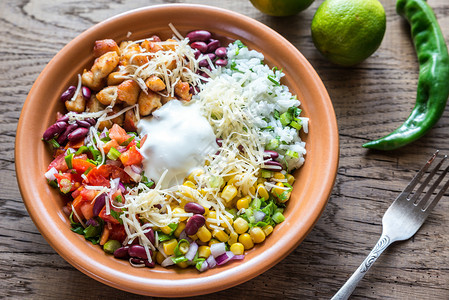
[(370, 100)]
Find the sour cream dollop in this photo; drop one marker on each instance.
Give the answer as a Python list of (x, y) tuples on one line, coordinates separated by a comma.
[(179, 139)]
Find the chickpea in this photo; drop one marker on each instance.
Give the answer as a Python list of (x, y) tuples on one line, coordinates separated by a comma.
[(103, 65)]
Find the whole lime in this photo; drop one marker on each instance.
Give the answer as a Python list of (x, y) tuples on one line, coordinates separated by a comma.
[(348, 31), (281, 8)]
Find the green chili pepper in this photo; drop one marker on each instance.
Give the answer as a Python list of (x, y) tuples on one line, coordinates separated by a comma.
[(433, 81)]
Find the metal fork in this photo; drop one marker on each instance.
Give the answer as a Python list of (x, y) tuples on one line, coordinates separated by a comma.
[(401, 220)]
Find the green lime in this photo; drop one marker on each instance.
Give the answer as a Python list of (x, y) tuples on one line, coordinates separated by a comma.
[(281, 8), (348, 31)]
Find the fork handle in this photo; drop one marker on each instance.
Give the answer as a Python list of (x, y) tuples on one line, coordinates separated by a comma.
[(347, 289)]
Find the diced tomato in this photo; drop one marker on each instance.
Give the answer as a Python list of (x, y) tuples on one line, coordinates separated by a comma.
[(75, 145), (77, 203), (117, 196), (108, 217), (81, 165), (77, 192), (87, 209), (109, 145), (132, 143), (117, 232), (97, 178), (131, 157), (66, 182), (118, 133), (88, 195), (59, 163), (115, 172)]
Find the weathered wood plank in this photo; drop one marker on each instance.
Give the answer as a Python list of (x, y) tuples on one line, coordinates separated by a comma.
[(370, 100)]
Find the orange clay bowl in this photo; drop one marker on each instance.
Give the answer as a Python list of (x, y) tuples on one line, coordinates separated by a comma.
[(314, 180)]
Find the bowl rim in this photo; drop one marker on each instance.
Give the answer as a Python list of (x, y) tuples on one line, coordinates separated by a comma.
[(222, 281)]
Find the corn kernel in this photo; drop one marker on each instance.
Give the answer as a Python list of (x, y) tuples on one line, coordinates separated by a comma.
[(193, 237), (189, 184), (261, 180), (257, 235), (204, 234), (166, 229), (246, 241), (206, 210), (290, 179), (193, 174), (237, 248), (213, 241), (279, 175), (160, 257), (181, 227), (179, 210), (169, 246), (223, 224), (240, 225), (229, 192), (278, 191), (211, 218), (262, 191), (252, 190), (234, 179), (267, 230), (220, 235), (233, 238), (182, 264), (204, 251), (243, 202)]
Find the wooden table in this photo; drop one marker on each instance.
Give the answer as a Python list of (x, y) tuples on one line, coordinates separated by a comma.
[(370, 100)]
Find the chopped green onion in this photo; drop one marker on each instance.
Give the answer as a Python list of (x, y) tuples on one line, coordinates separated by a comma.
[(81, 150), (273, 80), (173, 227), (266, 173), (239, 44), (52, 183), (295, 125), (292, 154), (215, 181), (276, 114), (182, 247), (178, 259), (278, 217), (65, 185), (126, 143), (285, 119), (256, 203), (113, 154), (162, 237), (273, 144), (53, 143), (68, 160)]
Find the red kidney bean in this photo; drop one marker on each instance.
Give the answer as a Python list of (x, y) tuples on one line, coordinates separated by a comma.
[(64, 118), (137, 261), (54, 130), (199, 35), (195, 208), (150, 236), (241, 149), (63, 137), (219, 142), (270, 154), (213, 45), (274, 165), (92, 222), (204, 62), (197, 53), (138, 251), (86, 92), (78, 134), (221, 52), (194, 223), (83, 123), (202, 46), (91, 121), (68, 93), (221, 62), (205, 75), (122, 253), (99, 204), (150, 264)]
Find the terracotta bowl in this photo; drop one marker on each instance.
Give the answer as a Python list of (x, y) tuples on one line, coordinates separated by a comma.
[(311, 190)]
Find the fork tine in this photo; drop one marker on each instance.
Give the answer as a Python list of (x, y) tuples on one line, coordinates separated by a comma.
[(409, 188), (440, 194), (417, 194)]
